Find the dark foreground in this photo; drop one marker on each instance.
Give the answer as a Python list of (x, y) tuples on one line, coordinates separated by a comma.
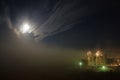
[(57, 75)]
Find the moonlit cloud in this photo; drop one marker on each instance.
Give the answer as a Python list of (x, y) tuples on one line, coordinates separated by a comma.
[(64, 16), (51, 20)]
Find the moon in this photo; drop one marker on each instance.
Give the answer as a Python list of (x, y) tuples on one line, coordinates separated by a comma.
[(25, 28)]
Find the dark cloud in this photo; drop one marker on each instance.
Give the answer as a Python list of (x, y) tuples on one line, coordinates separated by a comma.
[(65, 15), (50, 17)]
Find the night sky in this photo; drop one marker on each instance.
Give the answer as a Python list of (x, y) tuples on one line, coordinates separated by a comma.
[(74, 24), (64, 23), (51, 38), (54, 35)]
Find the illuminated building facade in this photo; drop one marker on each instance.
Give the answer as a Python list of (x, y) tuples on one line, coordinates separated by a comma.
[(90, 58), (95, 59)]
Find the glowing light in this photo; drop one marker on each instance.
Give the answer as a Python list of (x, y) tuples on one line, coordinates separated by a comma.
[(25, 28), (103, 67), (98, 53), (80, 63)]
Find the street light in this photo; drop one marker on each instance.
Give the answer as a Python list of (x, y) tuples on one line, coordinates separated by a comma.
[(80, 63), (104, 67)]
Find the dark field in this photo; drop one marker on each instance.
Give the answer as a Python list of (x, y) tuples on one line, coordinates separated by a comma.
[(59, 74)]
